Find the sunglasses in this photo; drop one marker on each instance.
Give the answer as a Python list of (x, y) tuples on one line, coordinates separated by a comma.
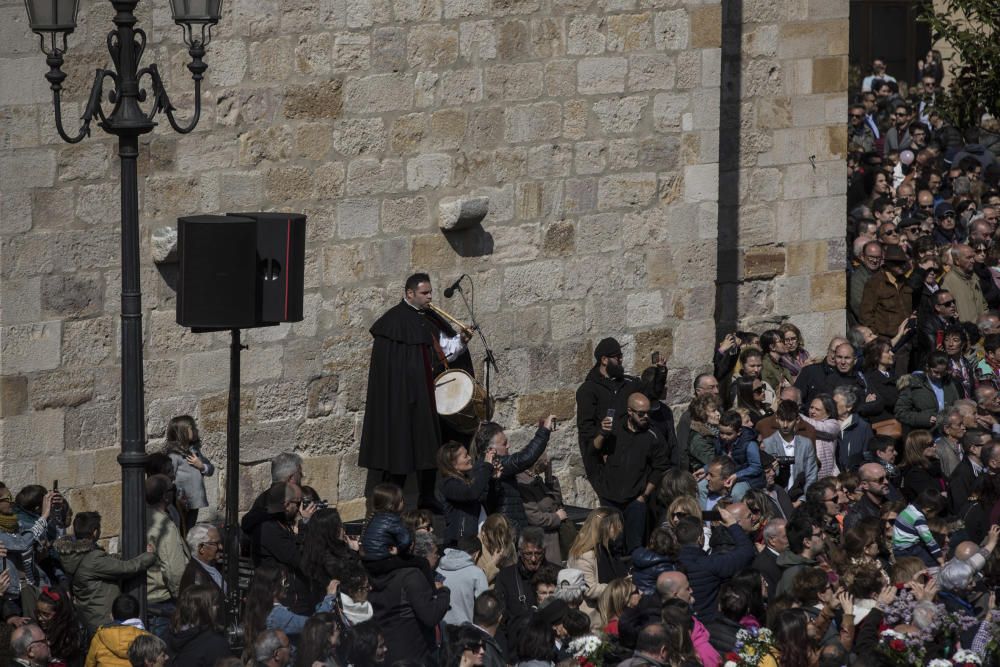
[(890, 232), (857, 115), (927, 207)]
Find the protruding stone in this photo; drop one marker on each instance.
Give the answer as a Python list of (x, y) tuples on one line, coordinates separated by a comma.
[(164, 244), (462, 212)]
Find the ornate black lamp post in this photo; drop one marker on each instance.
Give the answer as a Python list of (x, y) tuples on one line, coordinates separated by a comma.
[(53, 20)]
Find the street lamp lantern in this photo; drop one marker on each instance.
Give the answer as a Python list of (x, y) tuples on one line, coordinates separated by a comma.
[(136, 96), (53, 18), (202, 14)]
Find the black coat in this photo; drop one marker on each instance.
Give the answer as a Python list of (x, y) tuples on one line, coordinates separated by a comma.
[(706, 572), (515, 592), (594, 398), (962, 483), (463, 501), (626, 463), (504, 495), (766, 562), (814, 379), (884, 387), (916, 479), (197, 647), (271, 542), (722, 634), (407, 608), (401, 431), (196, 575)]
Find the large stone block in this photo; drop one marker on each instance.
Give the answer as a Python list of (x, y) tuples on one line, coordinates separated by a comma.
[(320, 100), (357, 218), (630, 32), (103, 498), (59, 389), (532, 122), (33, 435), (829, 75), (431, 46), (30, 347), (357, 136), (514, 82), (600, 76), (621, 190), (369, 176), (533, 407), (620, 115), (672, 30), (378, 93), (430, 170), (763, 262)]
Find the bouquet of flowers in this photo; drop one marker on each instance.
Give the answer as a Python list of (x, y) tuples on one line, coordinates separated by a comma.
[(589, 650), (752, 644)]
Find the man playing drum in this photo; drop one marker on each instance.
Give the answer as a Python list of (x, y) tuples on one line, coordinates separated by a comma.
[(401, 435)]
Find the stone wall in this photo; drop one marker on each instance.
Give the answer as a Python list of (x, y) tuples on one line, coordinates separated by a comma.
[(593, 127)]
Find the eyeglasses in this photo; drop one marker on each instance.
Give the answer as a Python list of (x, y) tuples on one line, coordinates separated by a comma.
[(890, 232), (947, 304), (638, 413), (901, 114), (678, 515), (927, 207), (874, 258), (532, 554), (474, 647), (857, 115), (212, 544), (878, 480)]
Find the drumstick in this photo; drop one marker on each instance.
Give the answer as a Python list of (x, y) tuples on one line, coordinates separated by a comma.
[(441, 384)]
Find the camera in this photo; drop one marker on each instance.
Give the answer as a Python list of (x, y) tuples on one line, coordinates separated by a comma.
[(785, 461)]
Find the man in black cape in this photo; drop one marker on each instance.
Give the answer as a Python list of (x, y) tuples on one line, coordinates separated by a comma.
[(402, 432)]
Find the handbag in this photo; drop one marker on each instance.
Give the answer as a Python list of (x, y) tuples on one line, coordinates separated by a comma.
[(890, 428)]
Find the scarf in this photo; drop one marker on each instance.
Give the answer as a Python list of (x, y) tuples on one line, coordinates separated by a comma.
[(608, 566), (8, 523)]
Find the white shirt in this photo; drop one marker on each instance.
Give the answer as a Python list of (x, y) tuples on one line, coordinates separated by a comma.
[(789, 451)]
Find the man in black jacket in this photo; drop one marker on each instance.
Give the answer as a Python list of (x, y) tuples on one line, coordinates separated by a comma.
[(932, 324), (874, 489), (813, 379), (275, 538), (766, 562), (597, 396), (513, 583), (965, 479), (504, 496), (628, 459)]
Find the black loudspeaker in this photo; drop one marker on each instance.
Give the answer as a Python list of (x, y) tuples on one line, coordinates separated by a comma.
[(281, 255), (240, 271), (218, 271)]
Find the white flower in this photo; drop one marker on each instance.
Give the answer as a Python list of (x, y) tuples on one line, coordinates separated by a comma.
[(729, 663), (938, 662), (963, 656)]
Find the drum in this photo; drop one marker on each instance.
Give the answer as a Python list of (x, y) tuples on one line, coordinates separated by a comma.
[(461, 400)]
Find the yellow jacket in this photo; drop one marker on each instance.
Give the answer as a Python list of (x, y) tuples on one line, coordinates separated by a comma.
[(109, 647)]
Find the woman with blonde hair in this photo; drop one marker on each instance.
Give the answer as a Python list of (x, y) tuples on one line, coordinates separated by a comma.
[(497, 537), (596, 551), (618, 595)]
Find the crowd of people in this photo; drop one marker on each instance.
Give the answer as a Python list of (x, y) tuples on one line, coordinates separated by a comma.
[(839, 508)]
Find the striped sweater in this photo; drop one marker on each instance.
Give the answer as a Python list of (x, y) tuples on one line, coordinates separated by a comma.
[(911, 529)]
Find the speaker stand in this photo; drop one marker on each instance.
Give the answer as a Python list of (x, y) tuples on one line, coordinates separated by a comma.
[(489, 360), (232, 537)]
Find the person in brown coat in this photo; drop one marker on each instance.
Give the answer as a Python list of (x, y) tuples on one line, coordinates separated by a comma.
[(888, 299)]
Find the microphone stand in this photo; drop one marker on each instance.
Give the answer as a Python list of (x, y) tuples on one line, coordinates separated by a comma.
[(490, 358)]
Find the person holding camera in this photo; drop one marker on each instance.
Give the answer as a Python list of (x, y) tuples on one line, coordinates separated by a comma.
[(796, 455), (628, 458)]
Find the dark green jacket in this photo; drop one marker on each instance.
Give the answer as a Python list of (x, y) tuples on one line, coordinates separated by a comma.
[(917, 402), (96, 574)]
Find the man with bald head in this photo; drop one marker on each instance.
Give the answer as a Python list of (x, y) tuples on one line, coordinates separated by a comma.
[(816, 378), (973, 554), (963, 283), (874, 489), (628, 459)]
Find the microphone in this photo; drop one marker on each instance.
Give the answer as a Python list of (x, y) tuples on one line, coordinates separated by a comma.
[(454, 287)]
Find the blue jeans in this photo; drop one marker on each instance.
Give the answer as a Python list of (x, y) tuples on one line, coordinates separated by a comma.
[(634, 514)]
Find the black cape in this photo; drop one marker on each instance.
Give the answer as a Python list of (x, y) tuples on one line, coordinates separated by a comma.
[(402, 432)]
